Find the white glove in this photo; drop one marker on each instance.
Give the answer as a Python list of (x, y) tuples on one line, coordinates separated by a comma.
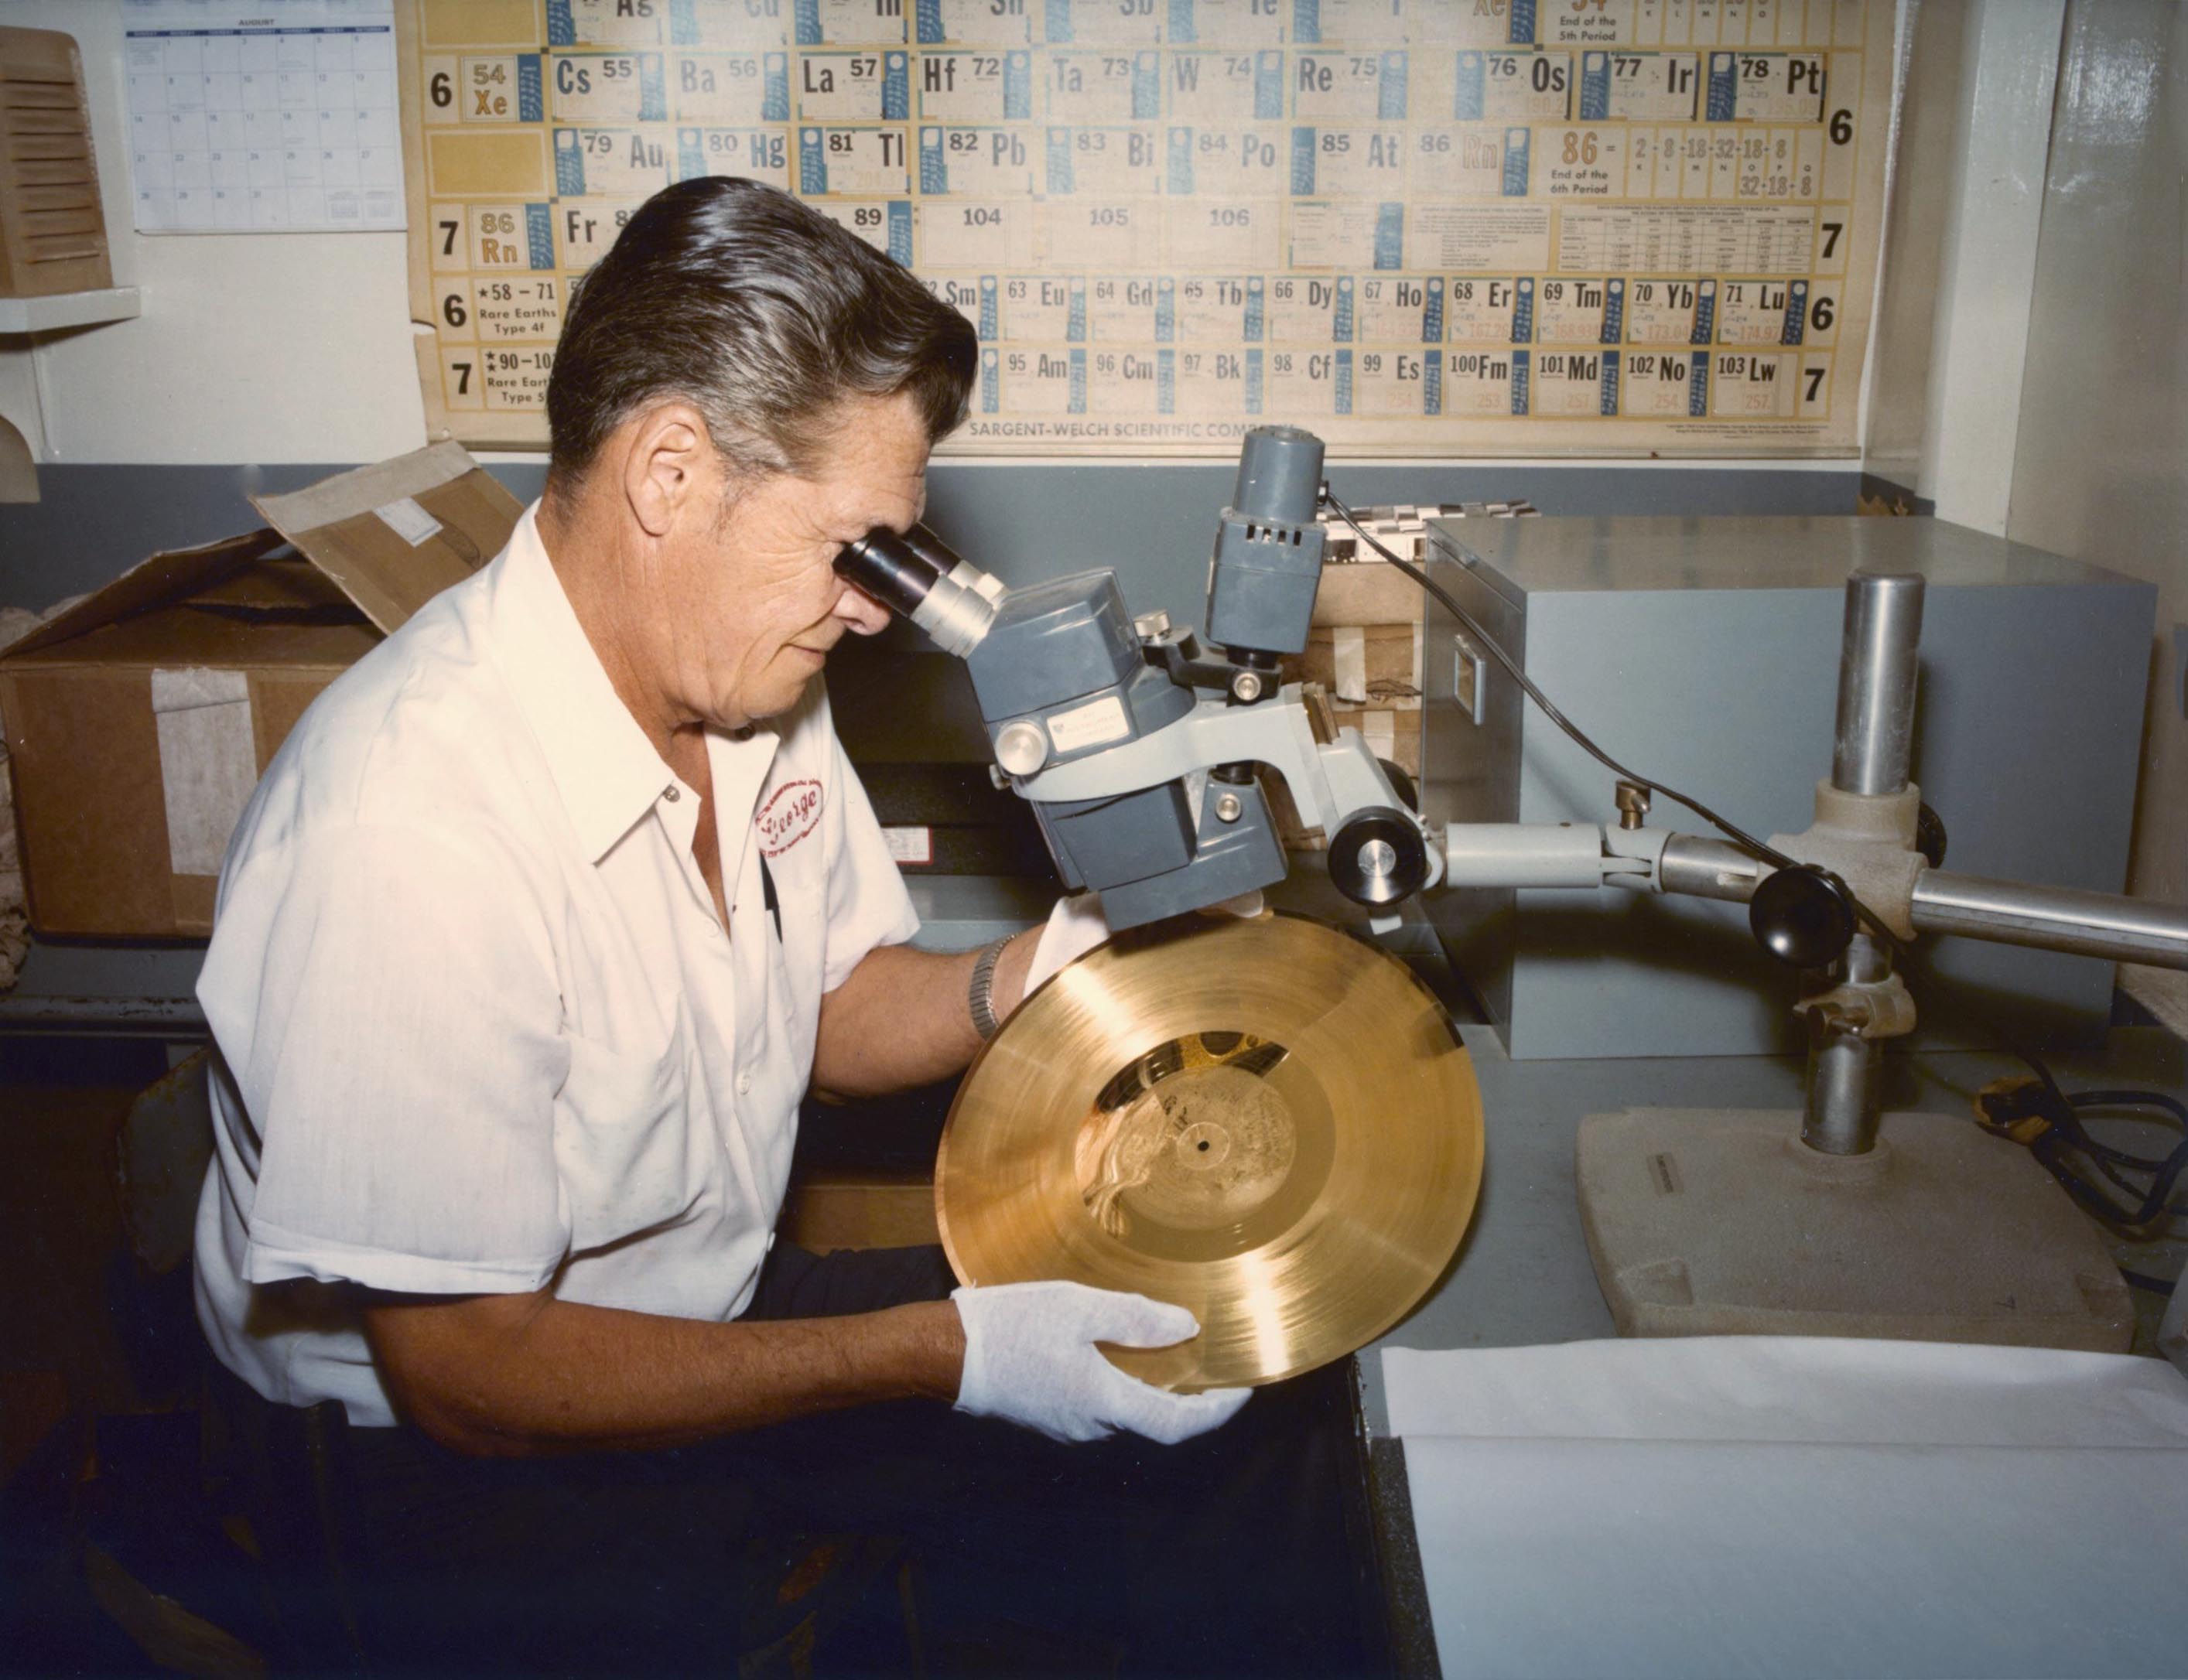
[(1030, 1357), (1076, 926)]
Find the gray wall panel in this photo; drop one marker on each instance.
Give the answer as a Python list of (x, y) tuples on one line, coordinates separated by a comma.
[(1706, 655), (1154, 524)]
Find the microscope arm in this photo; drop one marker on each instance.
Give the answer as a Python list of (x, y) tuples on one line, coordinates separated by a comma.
[(1334, 784)]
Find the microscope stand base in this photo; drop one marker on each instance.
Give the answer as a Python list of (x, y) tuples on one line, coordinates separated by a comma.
[(1722, 1222)]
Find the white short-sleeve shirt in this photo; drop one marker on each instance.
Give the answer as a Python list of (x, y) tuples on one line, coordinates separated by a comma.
[(480, 1028)]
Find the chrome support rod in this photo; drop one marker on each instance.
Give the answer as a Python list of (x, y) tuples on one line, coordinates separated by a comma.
[(2052, 918), (1703, 868), (1870, 755), (1844, 1069), (1875, 740), (2005, 912)]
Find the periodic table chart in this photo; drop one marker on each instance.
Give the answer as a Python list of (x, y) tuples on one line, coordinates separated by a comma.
[(1426, 228)]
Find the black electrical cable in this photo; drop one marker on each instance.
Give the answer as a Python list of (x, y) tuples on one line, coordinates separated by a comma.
[(1738, 835), (1549, 710), (2047, 1121)]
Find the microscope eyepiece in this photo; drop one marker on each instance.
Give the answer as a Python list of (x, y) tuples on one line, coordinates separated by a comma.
[(918, 575), (889, 568)]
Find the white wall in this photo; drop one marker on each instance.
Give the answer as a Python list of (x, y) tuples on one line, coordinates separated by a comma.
[(261, 347), (1988, 275), (2100, 462)]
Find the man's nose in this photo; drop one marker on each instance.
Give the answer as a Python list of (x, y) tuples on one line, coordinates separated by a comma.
[(860, 611)]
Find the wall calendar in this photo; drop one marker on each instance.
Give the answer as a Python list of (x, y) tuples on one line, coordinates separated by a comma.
[(1421, 228)]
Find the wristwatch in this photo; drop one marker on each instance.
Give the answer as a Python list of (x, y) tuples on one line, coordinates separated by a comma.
[(980, 995)]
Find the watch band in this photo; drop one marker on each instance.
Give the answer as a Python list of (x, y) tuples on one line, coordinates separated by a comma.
[(980, 995)]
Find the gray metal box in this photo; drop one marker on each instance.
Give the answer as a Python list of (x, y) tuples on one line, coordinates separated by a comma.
[(1704, 653)]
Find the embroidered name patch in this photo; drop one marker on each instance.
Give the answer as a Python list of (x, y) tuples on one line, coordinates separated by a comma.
[(792, 812)]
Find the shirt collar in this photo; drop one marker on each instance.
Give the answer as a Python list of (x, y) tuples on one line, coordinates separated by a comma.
[(608, 772)]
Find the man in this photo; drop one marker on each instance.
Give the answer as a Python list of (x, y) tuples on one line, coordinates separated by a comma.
[(548, 913)]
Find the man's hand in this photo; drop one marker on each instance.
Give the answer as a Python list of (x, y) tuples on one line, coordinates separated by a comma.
[(1030, 1356)]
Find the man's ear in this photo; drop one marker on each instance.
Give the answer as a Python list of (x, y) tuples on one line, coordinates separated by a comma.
[(666, 458)]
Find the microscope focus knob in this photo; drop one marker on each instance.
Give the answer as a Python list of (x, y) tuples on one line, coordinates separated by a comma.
[(1022, 748), (1379, 858), (1804, 915)]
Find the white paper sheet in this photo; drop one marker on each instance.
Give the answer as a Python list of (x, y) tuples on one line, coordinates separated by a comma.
[(1759, 1506), (1349, 656), (1800, 1390)]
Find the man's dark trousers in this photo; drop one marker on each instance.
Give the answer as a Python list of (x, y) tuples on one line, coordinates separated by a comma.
[(1118, 1555)]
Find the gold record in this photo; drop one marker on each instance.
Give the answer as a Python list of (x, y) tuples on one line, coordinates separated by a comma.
[(1259, 1119)]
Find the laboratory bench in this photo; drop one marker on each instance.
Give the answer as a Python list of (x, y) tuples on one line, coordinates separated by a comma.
[(1523, 1275)]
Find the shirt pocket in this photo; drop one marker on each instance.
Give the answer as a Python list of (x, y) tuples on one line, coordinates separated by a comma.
[(621, 1127)]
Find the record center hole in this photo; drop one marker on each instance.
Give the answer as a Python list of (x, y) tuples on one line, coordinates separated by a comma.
[(1193, 1135)]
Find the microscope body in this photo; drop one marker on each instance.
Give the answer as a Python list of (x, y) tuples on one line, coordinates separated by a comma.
[(1064, 680)]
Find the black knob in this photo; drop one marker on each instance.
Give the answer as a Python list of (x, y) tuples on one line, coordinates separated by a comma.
[(1401, 783), (1804, 915), (1930, 837), (1378, 857)]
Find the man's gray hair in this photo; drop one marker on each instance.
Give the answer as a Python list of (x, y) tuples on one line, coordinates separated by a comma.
[(763, 314)]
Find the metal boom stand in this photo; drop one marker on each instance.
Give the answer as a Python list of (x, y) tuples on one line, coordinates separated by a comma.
[(1839, 1221)]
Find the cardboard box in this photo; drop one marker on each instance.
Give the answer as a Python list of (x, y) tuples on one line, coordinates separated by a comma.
[(1367, 592), (1391, 734), (1370, 665), (1363, 652), (1372, 673), (139, 720)]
